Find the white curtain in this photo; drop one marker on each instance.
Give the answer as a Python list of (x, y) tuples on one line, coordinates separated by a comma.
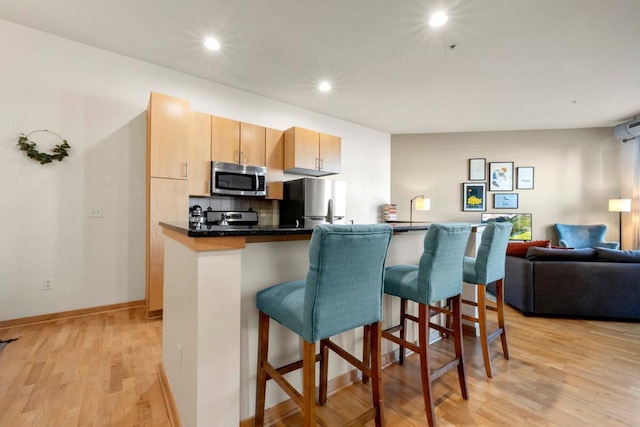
[(635, 202)]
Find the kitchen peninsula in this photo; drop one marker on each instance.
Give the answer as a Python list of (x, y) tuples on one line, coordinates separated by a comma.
[(209, 343)]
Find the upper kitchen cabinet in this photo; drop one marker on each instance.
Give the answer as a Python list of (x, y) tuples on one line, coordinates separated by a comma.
[(252, 145), (225, 140), (274, 145), (167, 136), (200, 154), (235, 142), (307, 152)]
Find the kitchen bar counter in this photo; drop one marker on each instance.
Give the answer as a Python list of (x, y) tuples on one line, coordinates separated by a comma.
[(204, 230), (211, 277)]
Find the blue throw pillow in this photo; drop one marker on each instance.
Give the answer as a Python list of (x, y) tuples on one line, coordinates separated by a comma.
[(613, 255)]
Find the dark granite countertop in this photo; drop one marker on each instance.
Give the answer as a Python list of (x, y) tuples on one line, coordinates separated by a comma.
[(204, 230)]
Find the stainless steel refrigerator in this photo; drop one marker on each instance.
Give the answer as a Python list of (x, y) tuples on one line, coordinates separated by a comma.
[(308, 202)]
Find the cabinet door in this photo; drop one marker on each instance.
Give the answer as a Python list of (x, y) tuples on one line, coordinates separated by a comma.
[(330, 153), (167, 136), (200, 154), (225, 140), (301, 150), (252, 145), (168, 201), (275, 163)]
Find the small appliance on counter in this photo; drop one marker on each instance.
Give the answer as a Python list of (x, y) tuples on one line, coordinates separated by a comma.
[(233, 179), (196, 214), (231, 218), (308, 202)]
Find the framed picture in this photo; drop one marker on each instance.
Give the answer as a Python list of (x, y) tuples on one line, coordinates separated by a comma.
[(525, 178), (477, 169), (505, 201), (521, 223), (474, 196), (501, 178)]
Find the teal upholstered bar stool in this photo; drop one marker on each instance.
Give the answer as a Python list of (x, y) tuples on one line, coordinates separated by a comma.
[(438, 277), (487, 268), (342, 291)]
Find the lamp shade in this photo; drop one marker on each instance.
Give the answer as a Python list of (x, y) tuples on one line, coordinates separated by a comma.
[(619, 205), (423, 204)]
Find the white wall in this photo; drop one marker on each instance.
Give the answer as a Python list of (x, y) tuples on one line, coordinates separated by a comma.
[(576, 172), (97, 101)]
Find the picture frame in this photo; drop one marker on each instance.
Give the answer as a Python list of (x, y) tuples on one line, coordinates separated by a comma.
[(505, 201), (474, 196), (522, 224), (477, 169), (525, 178), (501, 176)]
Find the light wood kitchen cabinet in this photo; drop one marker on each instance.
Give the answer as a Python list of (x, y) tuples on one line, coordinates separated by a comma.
[(274, 145), (308, 152), (167, 201), (167, 136), (252, 145), (200, 154), (236, 142), (225, 140)]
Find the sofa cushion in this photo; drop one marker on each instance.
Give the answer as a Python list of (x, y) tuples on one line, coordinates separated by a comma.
[(613, 255), (536, 253), (519, 249)]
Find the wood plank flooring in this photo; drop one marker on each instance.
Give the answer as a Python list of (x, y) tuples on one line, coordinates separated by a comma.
[(94, 370), (101, 370), (562, 372)]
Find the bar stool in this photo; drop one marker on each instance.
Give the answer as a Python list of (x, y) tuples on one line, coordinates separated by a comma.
[(438, 277), (486, 269), (342, 291)]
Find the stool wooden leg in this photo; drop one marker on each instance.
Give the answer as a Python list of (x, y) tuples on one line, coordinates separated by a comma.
[(261, 376), (454, 306), (423, 343), (309, 383), (376, 371), (324, 372), (501, 323), (482, 322), (366, 351), (403, 330)]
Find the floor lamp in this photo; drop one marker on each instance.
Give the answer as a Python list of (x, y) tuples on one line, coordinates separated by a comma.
[(620, 205)]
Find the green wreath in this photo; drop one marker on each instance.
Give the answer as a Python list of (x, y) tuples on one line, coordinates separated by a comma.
[(59, 151)]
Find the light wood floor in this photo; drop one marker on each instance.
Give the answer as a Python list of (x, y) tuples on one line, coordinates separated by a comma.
[(101, 370), (95, 370)]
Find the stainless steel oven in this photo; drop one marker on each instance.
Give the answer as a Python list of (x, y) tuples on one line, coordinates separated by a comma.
[(238, 180)]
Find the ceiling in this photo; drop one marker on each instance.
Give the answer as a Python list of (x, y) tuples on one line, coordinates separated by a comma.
[(495, 65)]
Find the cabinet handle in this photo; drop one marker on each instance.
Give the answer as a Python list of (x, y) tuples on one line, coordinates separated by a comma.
[(186, 170), (317, 164), (321, 164)]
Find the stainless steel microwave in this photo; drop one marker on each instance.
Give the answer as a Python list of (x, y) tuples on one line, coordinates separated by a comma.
[(238, 180)]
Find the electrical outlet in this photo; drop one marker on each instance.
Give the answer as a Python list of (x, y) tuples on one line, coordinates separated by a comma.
[(179, 358), (95, 212), (47, 284)]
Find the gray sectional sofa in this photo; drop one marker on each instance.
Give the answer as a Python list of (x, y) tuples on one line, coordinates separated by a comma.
[(586, 283)]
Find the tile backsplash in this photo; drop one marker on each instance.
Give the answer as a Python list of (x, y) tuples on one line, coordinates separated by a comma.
[(268, 210)]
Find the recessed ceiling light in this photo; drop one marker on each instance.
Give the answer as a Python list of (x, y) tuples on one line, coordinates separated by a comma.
[(324, 87), (212, 44), (438, 19)]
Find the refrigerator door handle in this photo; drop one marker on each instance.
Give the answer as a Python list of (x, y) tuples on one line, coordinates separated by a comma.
[(330, 211)]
